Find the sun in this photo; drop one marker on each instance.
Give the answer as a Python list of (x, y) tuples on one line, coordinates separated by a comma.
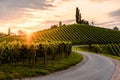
[(28, 32), (28, 37)]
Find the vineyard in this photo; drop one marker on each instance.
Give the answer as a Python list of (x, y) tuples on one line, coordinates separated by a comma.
[(79, 34), (12, 38), (115, 49), (112, 49), (76, 34), (19, 59), (14, 53), (49, 50)]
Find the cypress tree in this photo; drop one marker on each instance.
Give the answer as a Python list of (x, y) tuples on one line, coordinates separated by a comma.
[(78, 16)]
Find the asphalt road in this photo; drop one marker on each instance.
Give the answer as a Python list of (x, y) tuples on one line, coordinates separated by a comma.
[(95, 68)]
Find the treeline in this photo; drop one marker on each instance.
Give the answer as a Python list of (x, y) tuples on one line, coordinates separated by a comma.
[(13, 53)]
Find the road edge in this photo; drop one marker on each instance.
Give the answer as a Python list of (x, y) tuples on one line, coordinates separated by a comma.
[(85, 59), (116, 74)]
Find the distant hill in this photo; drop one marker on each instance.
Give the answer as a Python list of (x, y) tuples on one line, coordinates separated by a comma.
[(79, 34)]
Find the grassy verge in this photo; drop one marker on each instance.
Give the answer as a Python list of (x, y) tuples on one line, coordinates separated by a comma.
[(10, 72), (111, 56), (86, 48)]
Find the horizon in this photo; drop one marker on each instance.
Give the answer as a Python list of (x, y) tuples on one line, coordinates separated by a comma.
[(35, 15)]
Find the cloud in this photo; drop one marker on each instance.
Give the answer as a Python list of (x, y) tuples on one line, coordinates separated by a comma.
[(102, 1), (53, 22), (115, 14), (103, 23), (15, 8), (50, 22), (99, 0), (66, 0), (109, 24), (69, 21), (113, 19), (34, 4)]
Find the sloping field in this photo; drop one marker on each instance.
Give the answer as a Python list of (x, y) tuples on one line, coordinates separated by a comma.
[(79, 34)]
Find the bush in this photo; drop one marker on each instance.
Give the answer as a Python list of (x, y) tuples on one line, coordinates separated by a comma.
[(97, 48)]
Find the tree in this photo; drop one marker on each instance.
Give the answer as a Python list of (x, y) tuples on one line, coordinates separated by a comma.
[(9, 31), (79, 20), (64, 24), (78, 16), (21, 32), (54, 26), (84, 22), (60, 24), (116, 28), (92, 23)]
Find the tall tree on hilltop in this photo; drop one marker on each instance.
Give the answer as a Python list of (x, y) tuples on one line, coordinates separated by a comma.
[(78, 16)]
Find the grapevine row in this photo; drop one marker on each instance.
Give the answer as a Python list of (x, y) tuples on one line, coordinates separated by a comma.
[(30, 54), (79, 34), (115, 48)]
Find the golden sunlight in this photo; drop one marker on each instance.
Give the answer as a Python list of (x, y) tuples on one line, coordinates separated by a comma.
[(27, 24), (28, 37)]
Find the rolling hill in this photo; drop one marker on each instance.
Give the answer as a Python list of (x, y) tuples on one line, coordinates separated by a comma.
[(79, 34)]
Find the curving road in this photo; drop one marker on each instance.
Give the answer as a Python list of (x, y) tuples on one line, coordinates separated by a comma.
[(95, 68)]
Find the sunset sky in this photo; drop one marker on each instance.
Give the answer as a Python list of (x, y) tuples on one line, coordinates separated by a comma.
[(34, 15)]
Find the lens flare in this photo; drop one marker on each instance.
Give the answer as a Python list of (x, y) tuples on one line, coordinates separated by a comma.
[(28, 36)]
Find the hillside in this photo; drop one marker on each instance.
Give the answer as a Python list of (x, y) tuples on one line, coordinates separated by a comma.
[(79, 34), (13, 38)]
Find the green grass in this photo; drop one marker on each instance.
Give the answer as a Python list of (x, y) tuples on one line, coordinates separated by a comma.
[(11, 72), (111, 56), (91, 50)]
